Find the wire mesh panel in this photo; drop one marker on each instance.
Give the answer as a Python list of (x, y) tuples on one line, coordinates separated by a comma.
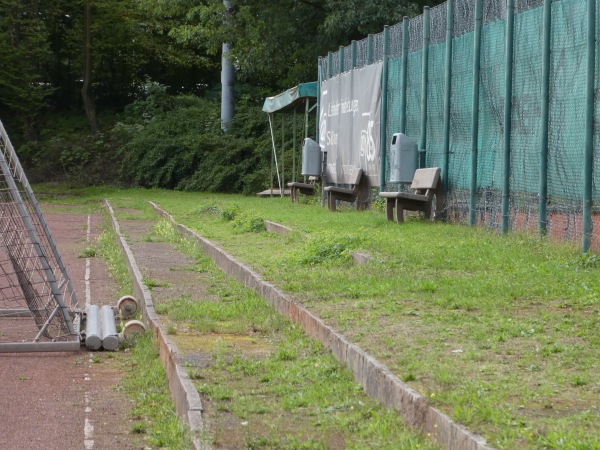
[(567, 118), (393, 116), (595, 243), (436, 86), (377, 47), (36, 295), (491, 119), (526, 120), (461, 109), (413, 75), (395, 36)]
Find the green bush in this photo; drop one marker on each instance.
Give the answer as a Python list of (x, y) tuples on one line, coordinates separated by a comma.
[(177, 143), (161, 141)]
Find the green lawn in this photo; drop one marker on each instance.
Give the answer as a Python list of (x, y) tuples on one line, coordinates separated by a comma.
[(501, 333)]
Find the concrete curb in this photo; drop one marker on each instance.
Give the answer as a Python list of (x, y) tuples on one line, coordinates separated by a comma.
[(187, 400), (377, 380), (274, 227)]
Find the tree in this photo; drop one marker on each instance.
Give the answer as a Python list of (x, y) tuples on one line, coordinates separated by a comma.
[(86, 94), (277, 43), (24, 52)]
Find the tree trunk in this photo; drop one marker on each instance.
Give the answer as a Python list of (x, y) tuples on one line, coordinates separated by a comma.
[(86, 95)]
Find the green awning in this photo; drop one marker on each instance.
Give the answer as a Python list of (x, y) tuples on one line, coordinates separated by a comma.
[(288, 100)]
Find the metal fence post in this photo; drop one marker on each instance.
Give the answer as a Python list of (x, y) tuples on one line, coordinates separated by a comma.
[(510, 23), (403, 72), (424, 80), (448, 96), (342, 62), (545, 116), (384, 107), (475, 111), (589, 127)]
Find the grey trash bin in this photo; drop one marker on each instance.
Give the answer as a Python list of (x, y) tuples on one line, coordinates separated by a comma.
[(404, 159), (311, 158)]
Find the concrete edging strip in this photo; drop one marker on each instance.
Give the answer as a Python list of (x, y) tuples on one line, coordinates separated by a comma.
[(187, 400), (274, 227), (377, 380)]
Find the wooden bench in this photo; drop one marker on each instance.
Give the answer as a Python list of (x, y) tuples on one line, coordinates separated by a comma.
[(346, 194), (426, 184), (303, 188)]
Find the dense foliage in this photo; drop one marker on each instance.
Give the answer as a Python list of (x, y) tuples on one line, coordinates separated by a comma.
[(114, 56)]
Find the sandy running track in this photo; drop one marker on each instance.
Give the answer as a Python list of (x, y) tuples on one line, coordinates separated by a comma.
[(67, 401)]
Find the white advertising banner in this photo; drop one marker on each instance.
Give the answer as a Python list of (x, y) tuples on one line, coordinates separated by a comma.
[(349, 124)]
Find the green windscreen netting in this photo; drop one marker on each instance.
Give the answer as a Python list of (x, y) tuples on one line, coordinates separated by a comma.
[(567, 107)]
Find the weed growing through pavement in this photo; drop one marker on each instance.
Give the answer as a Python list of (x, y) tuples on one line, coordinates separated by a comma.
[(88, 252), (152, 283), (108, 249)]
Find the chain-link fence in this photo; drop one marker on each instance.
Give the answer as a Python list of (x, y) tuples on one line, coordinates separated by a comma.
[(499, 181)]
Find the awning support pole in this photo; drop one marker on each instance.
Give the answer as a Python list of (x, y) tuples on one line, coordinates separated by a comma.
[(274, 154)]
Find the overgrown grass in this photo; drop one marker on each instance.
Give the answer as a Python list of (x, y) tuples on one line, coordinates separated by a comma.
[(268, 385), (109, 250), (499, 332)]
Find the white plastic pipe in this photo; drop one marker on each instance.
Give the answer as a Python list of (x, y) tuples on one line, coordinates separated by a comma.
[(110, 341), (93, 341)]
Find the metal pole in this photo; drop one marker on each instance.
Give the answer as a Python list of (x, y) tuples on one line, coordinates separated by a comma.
[(369, 49), (282, 182), (424, 80), (545, 115), (28, 347), (342, 62), (384, 105), (294, 137), (589, 127), (353, 54), (274, 153), (475, 109), (447, 97), (320, 78), (403, 72), (510, 23), (329, 64)]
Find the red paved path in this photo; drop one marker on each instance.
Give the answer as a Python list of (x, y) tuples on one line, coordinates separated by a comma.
[(66, 401)]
